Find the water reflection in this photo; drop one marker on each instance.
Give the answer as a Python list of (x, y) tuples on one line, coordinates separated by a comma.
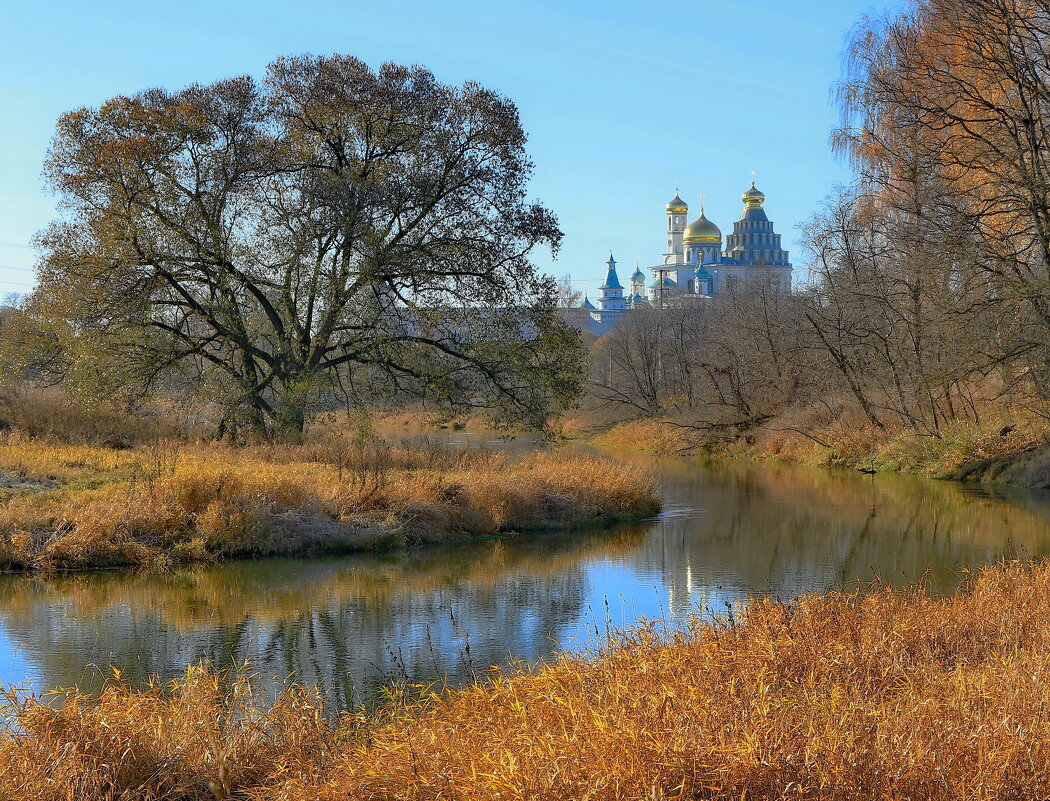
[(350, 624)]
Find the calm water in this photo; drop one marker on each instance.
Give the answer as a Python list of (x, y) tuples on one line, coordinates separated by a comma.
[(351, 624)]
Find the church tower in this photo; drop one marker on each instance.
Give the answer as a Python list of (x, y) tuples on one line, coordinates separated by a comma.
[(676, 214), (611, 298), (756, 246)]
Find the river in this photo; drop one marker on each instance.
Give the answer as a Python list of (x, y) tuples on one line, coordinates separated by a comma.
[(352, 624)]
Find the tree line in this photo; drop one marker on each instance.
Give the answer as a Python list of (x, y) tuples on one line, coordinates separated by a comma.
[(928, 294)]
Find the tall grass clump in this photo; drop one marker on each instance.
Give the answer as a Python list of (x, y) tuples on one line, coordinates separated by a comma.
[(182, 503), (205, 736), (887, 694)]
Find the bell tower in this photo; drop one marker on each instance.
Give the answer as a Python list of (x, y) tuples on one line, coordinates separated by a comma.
[(677, 210)]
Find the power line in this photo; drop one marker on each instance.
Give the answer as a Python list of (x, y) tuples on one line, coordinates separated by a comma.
[(12, 267), (16, 245)]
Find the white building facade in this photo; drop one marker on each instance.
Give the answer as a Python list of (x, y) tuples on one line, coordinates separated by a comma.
[(697, 263)]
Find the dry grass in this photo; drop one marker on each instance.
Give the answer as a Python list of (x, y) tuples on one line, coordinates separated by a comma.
[(892, 696), (198, 738), (54, 414), (647, 435), (181, 503), (1003, 440), (887, 695)]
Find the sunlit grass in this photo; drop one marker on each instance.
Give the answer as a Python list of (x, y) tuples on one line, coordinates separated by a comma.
[(184, 503), (883, 695), (650, 435), (196, 738)]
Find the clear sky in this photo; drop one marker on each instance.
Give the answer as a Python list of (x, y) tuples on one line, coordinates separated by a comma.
[(620, 99)]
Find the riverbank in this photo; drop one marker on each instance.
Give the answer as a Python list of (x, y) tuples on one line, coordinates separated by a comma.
[(1004, 449), (886, 694), (79, 506)]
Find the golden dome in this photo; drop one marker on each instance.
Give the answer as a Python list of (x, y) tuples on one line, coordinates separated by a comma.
[(752, 198), (702, 231), (677, 205)]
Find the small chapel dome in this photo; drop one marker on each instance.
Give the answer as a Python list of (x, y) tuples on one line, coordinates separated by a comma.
[(702, 230), (677, 205), (668, 283), (753, 198), (587, 305), (638, 277), (702, 273)]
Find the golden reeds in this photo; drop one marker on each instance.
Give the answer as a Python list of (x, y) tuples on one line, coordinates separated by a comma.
[(201, 737), (184, 503), (884, 695), (895, 695)]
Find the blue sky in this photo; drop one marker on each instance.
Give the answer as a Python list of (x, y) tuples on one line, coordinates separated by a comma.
[(620, 99)]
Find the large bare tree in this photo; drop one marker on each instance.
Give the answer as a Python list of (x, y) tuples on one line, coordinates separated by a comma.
[(332, 226)]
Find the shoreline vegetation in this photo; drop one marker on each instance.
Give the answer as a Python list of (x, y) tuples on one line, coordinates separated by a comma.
[(1004, 449), (878, 694), (69, 506)]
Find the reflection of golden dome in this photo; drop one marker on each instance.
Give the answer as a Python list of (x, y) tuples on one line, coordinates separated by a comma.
[(702, 230), (677, 206), (752, 198)]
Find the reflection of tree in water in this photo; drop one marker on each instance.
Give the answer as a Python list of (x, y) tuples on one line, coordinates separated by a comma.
[(347, 625)]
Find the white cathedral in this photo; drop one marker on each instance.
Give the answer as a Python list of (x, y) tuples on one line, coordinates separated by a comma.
[(696, 265)]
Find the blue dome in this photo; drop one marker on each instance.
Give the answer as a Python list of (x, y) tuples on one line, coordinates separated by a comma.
[(638, 277), (587, 304), (702, 273)]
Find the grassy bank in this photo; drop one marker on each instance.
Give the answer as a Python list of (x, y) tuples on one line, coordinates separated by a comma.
[(69, 506), (890, 694), (1002, 448)]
